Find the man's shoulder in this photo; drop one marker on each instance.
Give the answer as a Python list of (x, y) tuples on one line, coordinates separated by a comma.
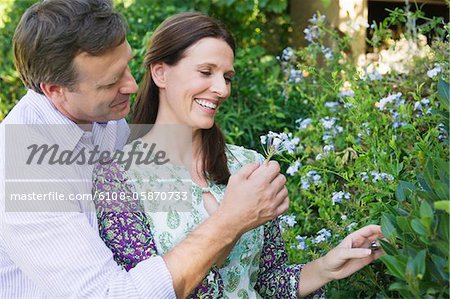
[(24, 112)]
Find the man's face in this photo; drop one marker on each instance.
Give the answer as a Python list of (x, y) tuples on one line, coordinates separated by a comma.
[(103, 90)]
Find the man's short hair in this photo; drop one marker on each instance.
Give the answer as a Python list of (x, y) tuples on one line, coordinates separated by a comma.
[(51, 33)]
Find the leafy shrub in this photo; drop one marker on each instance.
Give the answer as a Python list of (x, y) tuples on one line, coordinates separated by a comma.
[(362, 132), (417, 229)]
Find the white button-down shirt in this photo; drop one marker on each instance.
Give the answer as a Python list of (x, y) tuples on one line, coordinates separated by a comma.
[(60, 254)]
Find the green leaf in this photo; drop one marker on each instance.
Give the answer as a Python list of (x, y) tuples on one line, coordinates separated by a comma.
[(443, 226), (395, 266), (443, 170), (442, 247), (444, 94), (418, 227), (438, 266), (388, 227), (404, 189), (423, 183), (443, 205), (442, 191), (397, 286), (426, 211), (388, 247), (403, 224), (419, 264)]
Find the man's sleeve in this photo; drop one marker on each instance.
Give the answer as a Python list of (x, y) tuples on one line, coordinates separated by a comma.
[(63, 255)]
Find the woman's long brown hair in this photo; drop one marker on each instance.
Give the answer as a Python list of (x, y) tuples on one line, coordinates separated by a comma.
[(168, 45)]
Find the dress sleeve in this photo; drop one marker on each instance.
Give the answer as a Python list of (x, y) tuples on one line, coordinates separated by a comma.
[(122, 223), (276, 278)]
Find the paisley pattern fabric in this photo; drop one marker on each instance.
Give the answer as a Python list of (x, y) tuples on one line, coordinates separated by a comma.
[(137, 229)]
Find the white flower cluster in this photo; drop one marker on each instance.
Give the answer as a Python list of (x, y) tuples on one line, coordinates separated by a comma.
[(376, 176), (277, 143), (294, 168), (312, 177), (399, 57), (434, 71), (303, 123), (340, 196), (289, 66), (301, 242), (443, 131), (331, 131), (313, 32), (322, 235), (287, 221), (394, 101), (421, 106), (327, 52), (333, 106), (371, 75), (351, 226), (365, 130), (392, 98)]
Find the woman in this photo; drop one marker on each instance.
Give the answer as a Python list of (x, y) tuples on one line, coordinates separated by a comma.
[(189, 68)]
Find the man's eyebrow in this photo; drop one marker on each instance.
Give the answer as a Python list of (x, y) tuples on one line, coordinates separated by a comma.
[(113, 80), (116, 77)]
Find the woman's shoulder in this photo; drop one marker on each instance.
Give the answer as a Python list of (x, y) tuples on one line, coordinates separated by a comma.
[(115, 167), (240, 155)]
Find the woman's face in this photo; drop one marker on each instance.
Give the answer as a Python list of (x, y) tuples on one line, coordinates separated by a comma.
[(192, 91)]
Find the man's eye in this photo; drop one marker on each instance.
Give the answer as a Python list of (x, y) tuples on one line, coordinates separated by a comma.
[(109, 86)]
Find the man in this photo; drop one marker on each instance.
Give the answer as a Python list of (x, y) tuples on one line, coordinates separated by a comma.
[(73, 56)]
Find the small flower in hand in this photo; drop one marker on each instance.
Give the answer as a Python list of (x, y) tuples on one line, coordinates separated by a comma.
[(277, 143)]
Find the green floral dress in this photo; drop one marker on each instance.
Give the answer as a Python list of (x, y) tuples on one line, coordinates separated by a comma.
[(137, 229)]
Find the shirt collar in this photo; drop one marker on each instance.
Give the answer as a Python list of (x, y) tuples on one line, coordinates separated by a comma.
[(61, 130)]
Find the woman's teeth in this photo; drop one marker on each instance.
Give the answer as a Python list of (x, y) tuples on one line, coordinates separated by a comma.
[(206, 104)]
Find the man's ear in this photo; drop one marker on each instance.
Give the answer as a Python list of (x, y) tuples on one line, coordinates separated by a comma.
[(54, 92), (158, 71)]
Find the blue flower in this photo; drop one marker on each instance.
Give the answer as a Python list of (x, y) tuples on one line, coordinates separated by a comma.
[(276, 143), (312, 177), (322, 235), (328, 122), (301, 242), (293, 168), (328, 53), (351, 226), (303, 123), (434, 72), (340, 196)]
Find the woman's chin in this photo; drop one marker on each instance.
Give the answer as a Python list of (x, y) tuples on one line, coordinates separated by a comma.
[(206, 125)]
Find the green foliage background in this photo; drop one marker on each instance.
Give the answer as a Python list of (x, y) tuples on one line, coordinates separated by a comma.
[(413, 207)]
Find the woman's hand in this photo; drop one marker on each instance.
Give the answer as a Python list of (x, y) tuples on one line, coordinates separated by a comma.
[(349, 256), (352, 253)]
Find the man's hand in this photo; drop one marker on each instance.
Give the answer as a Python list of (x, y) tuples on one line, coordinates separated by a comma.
[(255, 195)]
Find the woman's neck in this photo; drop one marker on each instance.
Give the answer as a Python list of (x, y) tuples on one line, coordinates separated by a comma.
[(182, 144)]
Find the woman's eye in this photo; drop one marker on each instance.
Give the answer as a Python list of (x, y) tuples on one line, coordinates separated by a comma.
[(205, 73), (228, 79)]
